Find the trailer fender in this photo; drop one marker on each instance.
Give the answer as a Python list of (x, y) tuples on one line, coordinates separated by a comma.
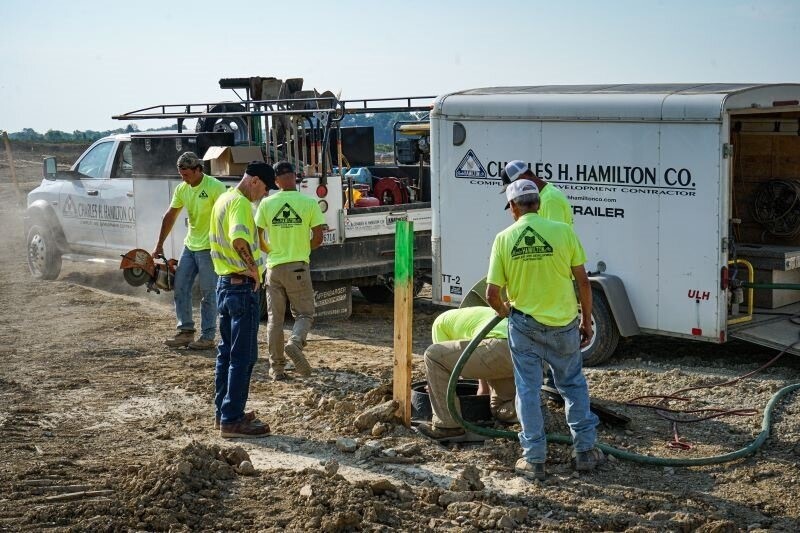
[(617, 297)]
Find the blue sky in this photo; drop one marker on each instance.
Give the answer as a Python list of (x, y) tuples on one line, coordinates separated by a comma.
[(71, 65)]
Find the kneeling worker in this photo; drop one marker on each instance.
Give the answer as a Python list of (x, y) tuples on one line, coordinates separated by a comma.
[(452, 331)]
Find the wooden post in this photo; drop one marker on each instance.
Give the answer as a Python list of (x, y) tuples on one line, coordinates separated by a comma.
[(403, 316), (10, 157)]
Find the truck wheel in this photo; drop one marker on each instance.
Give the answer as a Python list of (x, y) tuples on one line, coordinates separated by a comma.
[(376, 294), (237, 125), (44, 258), (606, 334), (383, 293)]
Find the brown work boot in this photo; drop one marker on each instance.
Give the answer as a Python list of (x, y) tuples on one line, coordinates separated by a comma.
[(440, 434), (244, 430), (295, 353), (530, 470), (183, 338), (202, 344), (249, 416), (588, 460)]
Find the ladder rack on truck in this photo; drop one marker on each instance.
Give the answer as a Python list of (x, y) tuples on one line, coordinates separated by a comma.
[(306, 128)]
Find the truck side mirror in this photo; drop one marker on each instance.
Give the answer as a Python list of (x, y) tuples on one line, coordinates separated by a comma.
[(49, 168)]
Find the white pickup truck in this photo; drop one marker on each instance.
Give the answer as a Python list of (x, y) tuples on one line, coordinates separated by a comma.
[(113, 197)]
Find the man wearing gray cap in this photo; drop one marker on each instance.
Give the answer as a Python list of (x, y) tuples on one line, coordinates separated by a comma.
[(553, 202), (535, 259), (197, 193)]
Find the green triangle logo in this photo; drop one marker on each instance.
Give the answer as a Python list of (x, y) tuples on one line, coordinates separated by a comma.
[(286, 216), (530, 243)]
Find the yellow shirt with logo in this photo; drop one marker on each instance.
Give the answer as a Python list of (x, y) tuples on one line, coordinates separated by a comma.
[(463, 324), (231, 219), (533, 259), (198, 201), (554, 205), (288, 217)]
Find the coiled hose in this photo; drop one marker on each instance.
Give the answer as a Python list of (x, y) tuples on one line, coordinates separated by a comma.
[(616, 452)]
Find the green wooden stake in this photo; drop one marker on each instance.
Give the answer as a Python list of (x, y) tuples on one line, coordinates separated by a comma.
[(403, 316)]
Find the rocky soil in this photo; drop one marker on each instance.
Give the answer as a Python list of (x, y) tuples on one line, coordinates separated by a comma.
[(103, 428)]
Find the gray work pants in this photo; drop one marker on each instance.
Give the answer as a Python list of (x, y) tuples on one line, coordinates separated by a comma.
[(491, 361)]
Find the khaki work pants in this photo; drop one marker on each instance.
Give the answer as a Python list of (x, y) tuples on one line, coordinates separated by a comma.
[(491, 361), (288, 282)]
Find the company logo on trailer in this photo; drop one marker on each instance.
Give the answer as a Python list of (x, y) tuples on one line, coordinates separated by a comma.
[(470, 167)]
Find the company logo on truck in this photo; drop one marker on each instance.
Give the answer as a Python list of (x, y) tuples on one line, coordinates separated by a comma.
[(98, 214), (470, 167)]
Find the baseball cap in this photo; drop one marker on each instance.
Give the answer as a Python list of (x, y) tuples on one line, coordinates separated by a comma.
[(189, 161), (262, 171), (520, 188), (283, 167), (512, 171)]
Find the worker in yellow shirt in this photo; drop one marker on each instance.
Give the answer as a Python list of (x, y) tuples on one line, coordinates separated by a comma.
[(553, 203), (293, 225), (535, 259), (239, 263), (452, 331), (197, 193)]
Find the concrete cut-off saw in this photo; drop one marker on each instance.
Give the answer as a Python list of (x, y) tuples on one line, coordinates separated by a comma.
[(139, 267)]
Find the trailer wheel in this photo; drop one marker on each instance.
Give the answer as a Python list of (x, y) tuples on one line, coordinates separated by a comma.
[(606, 334), (237, 125), (44, 258)]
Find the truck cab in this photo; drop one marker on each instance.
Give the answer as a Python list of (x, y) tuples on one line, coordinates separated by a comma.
[(86, 210)]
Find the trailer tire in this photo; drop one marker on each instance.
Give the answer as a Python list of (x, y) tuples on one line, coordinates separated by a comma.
[(606, 334), (237, 125), (44, 257)]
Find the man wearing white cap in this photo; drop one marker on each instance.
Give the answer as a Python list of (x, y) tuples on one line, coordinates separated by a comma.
[(553, 205), (535, 259), (553, 202)]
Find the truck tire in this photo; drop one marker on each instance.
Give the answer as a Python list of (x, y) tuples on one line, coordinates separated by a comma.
[(44, 258), (606, 334), (237, 125), (383, 293), (376, 294)]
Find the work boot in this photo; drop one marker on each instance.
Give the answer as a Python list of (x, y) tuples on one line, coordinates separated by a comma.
[(506, 414), (295, 353), (183, 338), (440, 434), (202, 344), (244, 429), (588, 460), (249, 416), (530, 470)]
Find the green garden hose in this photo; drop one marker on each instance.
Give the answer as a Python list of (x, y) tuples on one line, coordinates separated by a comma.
[(621, 454)]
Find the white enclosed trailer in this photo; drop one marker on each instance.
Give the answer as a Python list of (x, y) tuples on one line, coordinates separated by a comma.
[(665, 183)]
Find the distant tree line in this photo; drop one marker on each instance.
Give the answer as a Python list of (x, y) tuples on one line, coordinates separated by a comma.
[(77, 136), (382, 124)]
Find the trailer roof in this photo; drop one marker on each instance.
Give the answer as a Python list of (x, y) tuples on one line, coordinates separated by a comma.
[(667, 101)]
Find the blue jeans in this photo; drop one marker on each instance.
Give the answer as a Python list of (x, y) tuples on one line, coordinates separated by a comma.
[(189, 266), (237, 352), (559, 347)]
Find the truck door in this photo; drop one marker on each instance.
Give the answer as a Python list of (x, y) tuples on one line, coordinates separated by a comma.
[(80, 198), (119, 228)]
